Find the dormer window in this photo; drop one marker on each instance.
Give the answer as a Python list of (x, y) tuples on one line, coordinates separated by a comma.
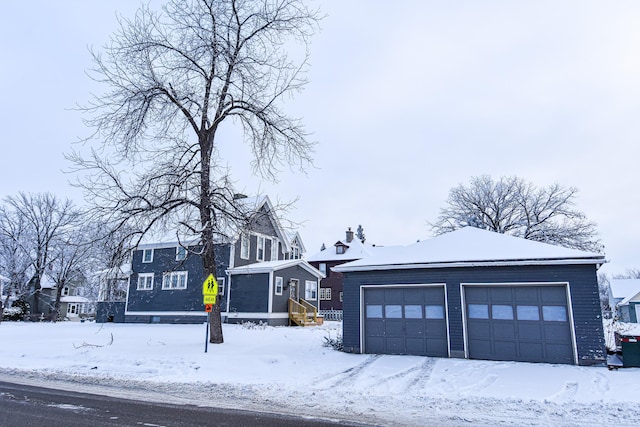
[(341, 248)]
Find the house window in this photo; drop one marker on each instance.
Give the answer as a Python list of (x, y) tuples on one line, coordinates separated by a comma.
[(145, 281), (147, 255), (260, 249), (274, 249), (325, 294), (279, 285), (244, 246), (339, 250), (340, 296), (221, 281), (323, 268), (174, 280), (310, 290), (65, 291), (181, 253)]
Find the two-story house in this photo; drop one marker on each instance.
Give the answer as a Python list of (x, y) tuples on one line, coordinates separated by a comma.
[(346, 250), (258, 272)]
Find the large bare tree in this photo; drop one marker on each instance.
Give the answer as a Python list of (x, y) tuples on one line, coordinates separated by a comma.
[(174, 77), (32, 225), (514, 206)]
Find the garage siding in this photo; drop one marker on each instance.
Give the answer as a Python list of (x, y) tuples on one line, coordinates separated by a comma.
[(581, 278)]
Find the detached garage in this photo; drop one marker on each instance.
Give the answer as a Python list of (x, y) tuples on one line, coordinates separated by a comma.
[(475, 294)]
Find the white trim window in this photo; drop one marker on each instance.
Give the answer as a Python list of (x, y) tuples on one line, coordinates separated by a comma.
[(174, 280), (147, 255), (323, 269), (245, 246), (279, 285), (181, 253), (260, 248), (325, 294), (221, 284), (310, 290), (340, 296), (145, 282), (274, 249)]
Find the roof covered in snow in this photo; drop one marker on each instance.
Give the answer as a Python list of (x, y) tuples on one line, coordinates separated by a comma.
[(624, 289), (269, 266), (470, 246), (355, 250)]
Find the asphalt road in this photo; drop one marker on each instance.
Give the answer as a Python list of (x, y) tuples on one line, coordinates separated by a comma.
[(26, 406)]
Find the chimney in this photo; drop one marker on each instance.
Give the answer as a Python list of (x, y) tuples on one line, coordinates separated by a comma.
[(349, 235)]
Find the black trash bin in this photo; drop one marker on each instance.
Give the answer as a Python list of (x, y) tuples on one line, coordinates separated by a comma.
[(630, 351)]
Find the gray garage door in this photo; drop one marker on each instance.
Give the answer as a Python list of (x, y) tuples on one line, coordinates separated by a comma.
[(522, 323), (405, 320)]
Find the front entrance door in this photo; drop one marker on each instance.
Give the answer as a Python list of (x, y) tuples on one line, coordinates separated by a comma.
[(294, 289), (73, 310)]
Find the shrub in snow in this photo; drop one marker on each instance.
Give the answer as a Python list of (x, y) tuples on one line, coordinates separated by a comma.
[(335, 343), (253, 325)]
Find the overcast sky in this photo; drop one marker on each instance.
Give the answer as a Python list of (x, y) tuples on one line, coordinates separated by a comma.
[(405, 100)]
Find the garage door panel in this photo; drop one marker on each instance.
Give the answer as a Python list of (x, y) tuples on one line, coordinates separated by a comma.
[(415, 328), (522, 323), (415, 346), (411, 320), (480, 349), (479, 330), (436, 329), (530, 331), (501, 294), (504, 331), (506, 350), (375, 326)]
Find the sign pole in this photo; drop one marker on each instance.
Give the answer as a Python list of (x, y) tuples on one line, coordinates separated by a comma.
[(206, 338)]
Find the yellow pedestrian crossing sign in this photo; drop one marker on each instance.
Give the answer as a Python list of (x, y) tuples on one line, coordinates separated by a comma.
[(210, 286), (210, 290)]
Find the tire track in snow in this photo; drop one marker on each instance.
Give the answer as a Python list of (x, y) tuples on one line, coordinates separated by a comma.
[(348, 376)]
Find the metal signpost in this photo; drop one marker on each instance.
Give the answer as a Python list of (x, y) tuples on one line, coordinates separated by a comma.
[(209, 295)]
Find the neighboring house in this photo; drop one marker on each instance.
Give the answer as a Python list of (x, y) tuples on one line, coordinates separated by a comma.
[(73, 304), (624, 299), (254, 272), (349, 249), (476, 294), (113, 285)]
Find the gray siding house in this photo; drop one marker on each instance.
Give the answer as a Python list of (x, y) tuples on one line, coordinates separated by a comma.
[(476, 294), (624, 299), (165, 284)]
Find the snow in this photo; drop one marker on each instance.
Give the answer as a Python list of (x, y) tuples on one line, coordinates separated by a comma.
[(624, 289), (288, 370), (471, 245)]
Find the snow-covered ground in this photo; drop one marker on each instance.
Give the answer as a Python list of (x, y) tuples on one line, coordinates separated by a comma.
[(289, 370)]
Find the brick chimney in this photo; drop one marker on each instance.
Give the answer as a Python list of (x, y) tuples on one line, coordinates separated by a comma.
[(349, 235)]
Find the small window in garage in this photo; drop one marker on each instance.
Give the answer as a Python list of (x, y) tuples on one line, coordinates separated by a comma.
[(527, 312), (554, 313), (393, 311), (374, 311), (478, 311), (413, 312), (501, 312), (434, 311)]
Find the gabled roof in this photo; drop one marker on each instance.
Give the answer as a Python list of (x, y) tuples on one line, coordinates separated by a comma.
[(625, 289), (168, 238), (470, 246), (269, 266)]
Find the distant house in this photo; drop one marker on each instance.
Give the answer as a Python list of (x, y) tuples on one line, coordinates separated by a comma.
[(73, 302), (624, 299), (258, 272), (476, 294), (344, 250)]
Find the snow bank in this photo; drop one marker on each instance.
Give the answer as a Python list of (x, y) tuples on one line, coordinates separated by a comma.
[(289, 370)]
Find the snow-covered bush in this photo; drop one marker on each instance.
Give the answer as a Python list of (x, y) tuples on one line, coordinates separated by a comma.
[(253, 325), (335, 343)]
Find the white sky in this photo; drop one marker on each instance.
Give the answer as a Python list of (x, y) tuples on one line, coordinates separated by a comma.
[(404, 101)]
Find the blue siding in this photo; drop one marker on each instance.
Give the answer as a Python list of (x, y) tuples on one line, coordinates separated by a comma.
[(581, 278), (157, 299), (249, 293)]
